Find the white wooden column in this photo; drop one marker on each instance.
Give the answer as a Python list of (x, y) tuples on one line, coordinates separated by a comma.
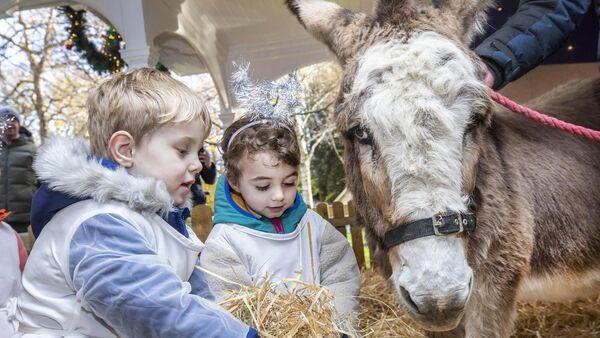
[(139, 57)]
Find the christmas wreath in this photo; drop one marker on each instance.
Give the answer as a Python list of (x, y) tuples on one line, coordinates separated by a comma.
[(107, 59)]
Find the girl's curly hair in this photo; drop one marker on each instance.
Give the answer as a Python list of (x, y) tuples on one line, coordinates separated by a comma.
[(280, 141)]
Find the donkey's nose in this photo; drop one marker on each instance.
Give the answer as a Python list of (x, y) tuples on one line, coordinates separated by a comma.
[(438, 307)]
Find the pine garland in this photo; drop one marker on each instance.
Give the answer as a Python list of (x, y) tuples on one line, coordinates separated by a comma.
[(108, 58)]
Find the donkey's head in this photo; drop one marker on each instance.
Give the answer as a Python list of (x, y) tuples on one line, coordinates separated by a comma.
[(412, 107)]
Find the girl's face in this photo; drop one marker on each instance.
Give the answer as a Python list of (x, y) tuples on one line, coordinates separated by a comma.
[(267, 184)]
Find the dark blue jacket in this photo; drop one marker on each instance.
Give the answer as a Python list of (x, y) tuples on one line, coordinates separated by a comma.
[(534, 32), (208, 175)]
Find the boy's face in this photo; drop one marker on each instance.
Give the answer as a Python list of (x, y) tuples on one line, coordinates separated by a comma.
[(170, 154), (267, 184)]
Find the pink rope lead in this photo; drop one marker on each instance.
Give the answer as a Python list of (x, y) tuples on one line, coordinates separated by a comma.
[(591, 134)]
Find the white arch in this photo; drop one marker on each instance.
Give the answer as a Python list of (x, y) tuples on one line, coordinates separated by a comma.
[(126, 16), (263, 32)]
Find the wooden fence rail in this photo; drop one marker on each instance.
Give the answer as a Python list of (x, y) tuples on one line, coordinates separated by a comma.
[(339, 215), (342, 217)]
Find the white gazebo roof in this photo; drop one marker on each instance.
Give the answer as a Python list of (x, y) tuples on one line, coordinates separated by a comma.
[(199, 36)]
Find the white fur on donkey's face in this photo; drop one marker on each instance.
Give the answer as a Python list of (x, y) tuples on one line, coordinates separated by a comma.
[(420, 95)]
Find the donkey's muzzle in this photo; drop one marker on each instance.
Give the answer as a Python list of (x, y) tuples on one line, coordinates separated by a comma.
[(437, 312)]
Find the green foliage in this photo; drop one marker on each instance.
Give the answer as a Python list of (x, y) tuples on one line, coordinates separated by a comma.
[(321, 85), (327, 173), (107, 59)]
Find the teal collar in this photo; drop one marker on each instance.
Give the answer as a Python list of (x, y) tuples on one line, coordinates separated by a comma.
[(228, 211)]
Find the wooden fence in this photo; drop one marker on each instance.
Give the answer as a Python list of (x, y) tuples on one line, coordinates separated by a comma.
[(339, 215)]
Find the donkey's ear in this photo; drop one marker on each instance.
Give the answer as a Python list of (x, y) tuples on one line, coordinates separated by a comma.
[(335, 26), (469, 16), (394, 11)]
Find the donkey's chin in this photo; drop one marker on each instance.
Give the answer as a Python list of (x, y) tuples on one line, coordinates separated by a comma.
[(434, 323)]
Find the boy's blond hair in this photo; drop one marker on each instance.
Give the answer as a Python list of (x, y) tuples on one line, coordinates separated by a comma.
[(139, 102)]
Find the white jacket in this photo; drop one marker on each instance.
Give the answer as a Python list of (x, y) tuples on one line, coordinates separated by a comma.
[(108, 264), (10, 279), (314, 252)]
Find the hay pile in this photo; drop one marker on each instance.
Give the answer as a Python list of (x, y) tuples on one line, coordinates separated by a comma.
[(305, 310), (287, 308), (379, 314), (570, 319), (535, 319)]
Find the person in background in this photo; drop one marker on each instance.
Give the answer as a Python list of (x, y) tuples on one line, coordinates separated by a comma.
[(208, 175), (17, 178), (537, 30)]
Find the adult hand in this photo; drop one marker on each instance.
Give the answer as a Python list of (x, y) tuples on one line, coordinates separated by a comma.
[(204, 158), (488, 76)]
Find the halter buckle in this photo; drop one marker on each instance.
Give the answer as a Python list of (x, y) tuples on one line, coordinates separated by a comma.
[(438, 222), (461, 223)]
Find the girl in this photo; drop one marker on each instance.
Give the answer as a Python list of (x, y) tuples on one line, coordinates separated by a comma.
[(262, 225)]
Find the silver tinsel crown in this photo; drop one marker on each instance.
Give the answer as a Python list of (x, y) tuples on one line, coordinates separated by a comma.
[(264, 100)]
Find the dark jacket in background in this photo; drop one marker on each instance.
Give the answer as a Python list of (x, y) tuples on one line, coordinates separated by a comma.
[(17, 179), (208, 175), (534, 32)]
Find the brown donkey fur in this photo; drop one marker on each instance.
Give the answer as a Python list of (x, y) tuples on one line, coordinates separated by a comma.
[(538, 196), (536, 189)]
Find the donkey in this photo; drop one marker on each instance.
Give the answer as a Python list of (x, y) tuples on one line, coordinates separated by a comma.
[(428, 156)]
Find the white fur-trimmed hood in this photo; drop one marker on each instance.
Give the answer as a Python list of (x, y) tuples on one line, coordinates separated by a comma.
[(66, 165)]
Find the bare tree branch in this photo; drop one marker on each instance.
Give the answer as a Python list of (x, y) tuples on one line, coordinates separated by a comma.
[(318, 141), (335, 149)]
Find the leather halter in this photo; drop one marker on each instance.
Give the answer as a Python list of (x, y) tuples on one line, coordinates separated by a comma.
[(441, 224)]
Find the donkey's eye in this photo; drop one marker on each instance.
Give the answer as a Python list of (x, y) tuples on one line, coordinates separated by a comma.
[(359, 134)]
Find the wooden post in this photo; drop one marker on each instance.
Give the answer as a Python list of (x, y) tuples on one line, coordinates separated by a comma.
[(202, 221), (30, 239), (322, 210), (338, 214), (356, 234)]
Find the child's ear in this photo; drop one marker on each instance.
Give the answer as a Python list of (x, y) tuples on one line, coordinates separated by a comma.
[(121, 146), (232, 183)]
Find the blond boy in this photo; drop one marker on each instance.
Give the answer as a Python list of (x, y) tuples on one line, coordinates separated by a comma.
[(114, 256)]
